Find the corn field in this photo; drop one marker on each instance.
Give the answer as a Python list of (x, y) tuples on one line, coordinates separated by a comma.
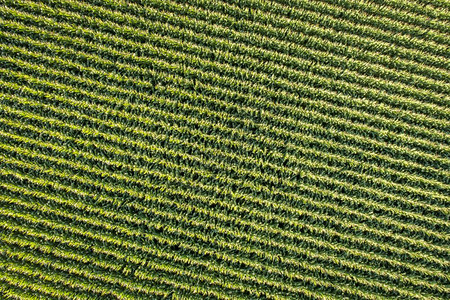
[(225, 149)]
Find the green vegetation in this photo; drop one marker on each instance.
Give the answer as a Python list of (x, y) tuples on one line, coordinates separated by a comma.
[(234, 149)]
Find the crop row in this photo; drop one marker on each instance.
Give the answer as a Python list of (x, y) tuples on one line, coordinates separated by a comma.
[(203, 252), (121, 187), (332, 109), (242, 149), (49, 270), (137, 29), (429, 16), (165, 222), (310, 23), (151, 264), (328, 12), (193, 161), (319, 38)]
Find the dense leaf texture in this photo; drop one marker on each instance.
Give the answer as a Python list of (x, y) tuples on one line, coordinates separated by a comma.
[(224, 149)]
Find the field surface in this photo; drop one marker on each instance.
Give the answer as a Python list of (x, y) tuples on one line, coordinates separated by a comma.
[(234, 149)]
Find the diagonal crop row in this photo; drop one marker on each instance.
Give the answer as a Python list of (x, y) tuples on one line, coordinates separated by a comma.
[(121, 188), (236, 274), (19, 280), (287, 182), (352, 116), (73, 260), (237, 150), (255, 51), (432, 10), (56, 267), (13, 288), (120, 255), (354, 16), (405, 11), (307, 22), (80, 288), (170, 31)]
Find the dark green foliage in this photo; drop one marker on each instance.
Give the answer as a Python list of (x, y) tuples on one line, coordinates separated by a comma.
[(224, 149)]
